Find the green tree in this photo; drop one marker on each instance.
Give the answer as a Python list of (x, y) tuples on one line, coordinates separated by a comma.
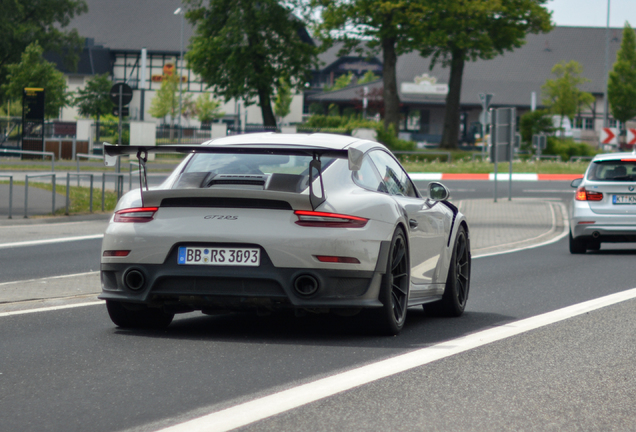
[(282, 103), (94, 100), (383, 25), (241, 47), (341, 82), (456, 31), (166, 100), (25, 22), (368, 77), (34, 71), (562, 95), (621, 87), (207, 110), (534, 122)]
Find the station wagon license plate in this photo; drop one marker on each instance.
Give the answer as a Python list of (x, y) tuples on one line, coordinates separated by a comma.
[(624, 199), (219, 256)]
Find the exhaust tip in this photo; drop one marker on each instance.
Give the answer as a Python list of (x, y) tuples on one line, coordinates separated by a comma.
[(134, 279), (596, 234), (306, 285)]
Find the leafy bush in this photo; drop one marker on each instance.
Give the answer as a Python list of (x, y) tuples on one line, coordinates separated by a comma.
[(566, 148), (534, 122), (346, 125)]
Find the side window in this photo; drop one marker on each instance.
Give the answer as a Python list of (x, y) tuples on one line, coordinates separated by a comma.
[(368, 177), (395, 179)]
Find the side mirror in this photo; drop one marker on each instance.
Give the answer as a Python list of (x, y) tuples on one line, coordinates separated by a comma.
[(437, 191), (576, 182)]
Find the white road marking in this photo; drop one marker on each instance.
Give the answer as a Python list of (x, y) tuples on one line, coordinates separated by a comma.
[(566, 230), (277, 403), (50, 241), (50, 308), (49, 278), (548, 191)]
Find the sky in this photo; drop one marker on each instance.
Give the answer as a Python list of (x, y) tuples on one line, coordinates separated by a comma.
[(592, 13)]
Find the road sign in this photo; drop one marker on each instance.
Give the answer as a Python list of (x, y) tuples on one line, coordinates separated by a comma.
[(502, 133), (484, 99), (609, 136), (124, 111), (539, 141), (631, 136), (126, 94)]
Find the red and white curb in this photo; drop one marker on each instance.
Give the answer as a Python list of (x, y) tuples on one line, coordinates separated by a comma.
[(491, 176)]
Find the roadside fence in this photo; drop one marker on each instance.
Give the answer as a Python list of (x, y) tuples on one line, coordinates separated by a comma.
[(26, 191), (68, 190), (10, 177), (51, 154), (425, 154), (552, 157), (580, 158)]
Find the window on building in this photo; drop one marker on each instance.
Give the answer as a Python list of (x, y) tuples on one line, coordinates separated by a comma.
[(584, 123), (613, 123), (413, 121)]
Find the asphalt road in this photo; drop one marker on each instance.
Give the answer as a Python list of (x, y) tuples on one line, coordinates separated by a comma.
[(67, 369)]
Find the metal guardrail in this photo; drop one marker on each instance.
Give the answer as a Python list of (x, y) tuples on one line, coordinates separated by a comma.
[(10, 177), (79, 156), (33, 153), (580, 158), (420, 153), (26, 191), (552, 157), (119, 182), (68, 188)]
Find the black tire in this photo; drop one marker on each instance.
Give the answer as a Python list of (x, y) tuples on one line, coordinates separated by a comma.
[(394, 293), (453, 302), (577, 246), (130, 315)]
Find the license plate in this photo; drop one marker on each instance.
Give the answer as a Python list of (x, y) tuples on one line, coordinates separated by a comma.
[(219, 256), (624, 199)]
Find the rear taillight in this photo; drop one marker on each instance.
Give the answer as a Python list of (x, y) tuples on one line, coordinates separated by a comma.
[(138, 214), (585, 195), (331, 220)]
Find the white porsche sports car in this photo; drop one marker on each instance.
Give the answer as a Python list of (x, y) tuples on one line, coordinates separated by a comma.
[(270, 221)]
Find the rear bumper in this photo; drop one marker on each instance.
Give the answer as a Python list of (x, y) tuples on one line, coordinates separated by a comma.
[(603, 227), (209, 287)]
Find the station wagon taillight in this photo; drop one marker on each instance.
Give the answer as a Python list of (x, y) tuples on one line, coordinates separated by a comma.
[(331, 220), (583, 194), (137, 214)]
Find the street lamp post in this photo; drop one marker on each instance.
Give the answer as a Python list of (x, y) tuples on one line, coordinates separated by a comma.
[(180, 70)]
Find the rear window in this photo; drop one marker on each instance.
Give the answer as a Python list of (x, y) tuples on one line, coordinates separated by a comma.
[(615, 170), (254, 171)]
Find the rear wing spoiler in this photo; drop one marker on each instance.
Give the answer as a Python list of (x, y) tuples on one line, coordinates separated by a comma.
[(353, 156)]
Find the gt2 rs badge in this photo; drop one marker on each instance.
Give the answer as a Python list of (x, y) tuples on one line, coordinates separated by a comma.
[(220, 217)]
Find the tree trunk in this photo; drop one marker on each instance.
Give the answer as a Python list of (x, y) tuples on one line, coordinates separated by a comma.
[(264, 100), (390, 94), (450, 136)]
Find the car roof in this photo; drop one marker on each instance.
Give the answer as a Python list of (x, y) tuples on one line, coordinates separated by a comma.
[(318, 140), (614, 156)]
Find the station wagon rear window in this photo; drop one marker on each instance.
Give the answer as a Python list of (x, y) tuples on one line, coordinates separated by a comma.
[(613, 170)]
